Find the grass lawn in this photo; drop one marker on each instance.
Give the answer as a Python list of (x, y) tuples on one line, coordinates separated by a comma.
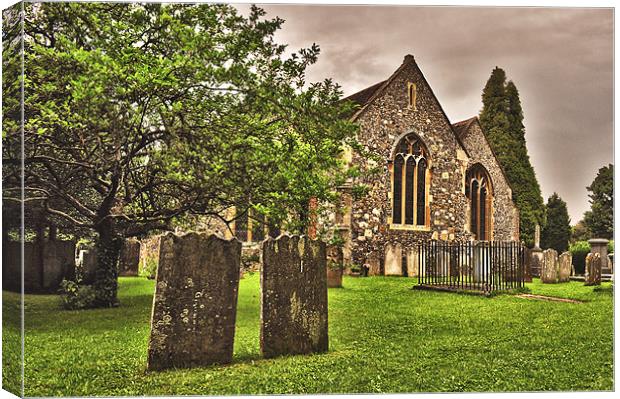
[(384, 337)]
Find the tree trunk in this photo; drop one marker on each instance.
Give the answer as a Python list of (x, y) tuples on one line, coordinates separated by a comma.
[(108, 247)]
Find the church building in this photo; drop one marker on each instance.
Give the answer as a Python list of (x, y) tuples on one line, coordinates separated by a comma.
[(436, 180)]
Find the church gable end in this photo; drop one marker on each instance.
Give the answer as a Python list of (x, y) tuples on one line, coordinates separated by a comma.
[(419, 194)]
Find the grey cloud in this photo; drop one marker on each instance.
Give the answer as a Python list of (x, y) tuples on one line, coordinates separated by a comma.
[(561, 60)]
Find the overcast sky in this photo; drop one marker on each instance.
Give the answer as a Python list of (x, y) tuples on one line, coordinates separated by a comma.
[(560, 59)]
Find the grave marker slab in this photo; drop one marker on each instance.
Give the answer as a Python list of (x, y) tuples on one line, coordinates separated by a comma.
[(593, 269), (293, 296), (549, 273), (195, 303), (566, 264)]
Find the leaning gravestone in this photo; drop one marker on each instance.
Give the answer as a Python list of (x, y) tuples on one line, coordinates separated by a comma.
[(549, 272), (527, 265), (293, 296), (86, 266), (130, 258), (566, 264), (195, 303), (593, 269)]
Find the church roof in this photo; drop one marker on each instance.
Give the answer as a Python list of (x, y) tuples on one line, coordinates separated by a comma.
[(461, 128), (362, 96), (368, 95)]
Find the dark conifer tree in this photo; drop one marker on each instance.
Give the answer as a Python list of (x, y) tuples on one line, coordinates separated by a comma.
[(502, 120), (557, 232), (600, 219)]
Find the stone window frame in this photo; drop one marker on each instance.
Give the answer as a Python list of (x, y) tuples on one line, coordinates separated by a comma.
[(427, 198), (412, 94), (482, 176)]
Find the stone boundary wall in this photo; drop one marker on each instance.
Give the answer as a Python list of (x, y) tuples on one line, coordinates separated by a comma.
[(129, 258), (195, 302), (293, 296)]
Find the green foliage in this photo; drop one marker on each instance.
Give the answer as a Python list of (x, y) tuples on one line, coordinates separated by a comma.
[(139, 114), (579, 250), (448, 342), (75, 296), (580, 232), (502, 120), (148, 267), (557, 232), (610, 247), (600, 218)]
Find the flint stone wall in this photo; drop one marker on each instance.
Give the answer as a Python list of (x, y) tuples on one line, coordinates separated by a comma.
[(129, 258), (566, 264), (593, 269), (195, 303), (293, 296), (549, 273)]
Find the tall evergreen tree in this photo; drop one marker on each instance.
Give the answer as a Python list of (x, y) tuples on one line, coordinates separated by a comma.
[(502, 120), (600, 218), (557, 232)]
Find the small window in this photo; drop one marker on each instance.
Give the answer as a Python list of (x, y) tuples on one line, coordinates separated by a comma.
[(413, 92)]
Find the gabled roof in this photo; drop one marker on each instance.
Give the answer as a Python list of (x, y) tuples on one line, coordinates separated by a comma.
[(362, 96), (462, 128), (365, 97)]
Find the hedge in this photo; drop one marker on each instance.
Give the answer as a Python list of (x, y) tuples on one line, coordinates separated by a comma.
[(580, 250)]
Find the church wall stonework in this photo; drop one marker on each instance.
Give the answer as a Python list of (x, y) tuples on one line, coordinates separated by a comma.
[(505, 216), (382, 123), (386, 117)]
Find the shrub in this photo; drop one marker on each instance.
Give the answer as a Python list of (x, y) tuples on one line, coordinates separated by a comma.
[(148, 267), (579, 250), (76, 296), (610, 247)]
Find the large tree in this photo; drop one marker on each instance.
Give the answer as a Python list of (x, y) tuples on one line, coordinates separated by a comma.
[(557, 232), (600, 218), (139, 114), (502, 119)]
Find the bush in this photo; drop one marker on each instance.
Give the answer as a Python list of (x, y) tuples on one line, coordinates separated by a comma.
[(147, 267), (579, 250), (610, 247), (76, 296)]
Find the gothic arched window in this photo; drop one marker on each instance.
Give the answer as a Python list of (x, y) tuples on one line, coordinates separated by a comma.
[(410, 178), (479, 190)]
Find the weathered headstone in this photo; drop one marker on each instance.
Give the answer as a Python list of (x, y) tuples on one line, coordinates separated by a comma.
[(335, 266), (293, 296), (129, 258), (599, 246), (374, 265), (195, 303), (58, 262), (549, 273), (593, 269), (86, 266), (566, 263), (412, 262), (393, 260)]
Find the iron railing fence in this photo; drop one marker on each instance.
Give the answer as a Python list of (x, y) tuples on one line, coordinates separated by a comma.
[(479, 265)]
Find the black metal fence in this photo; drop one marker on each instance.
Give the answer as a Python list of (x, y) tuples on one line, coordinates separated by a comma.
[(478, 266)]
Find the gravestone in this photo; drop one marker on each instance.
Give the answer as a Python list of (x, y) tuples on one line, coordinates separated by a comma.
[(374, 265), (593, 269), (293, 296), (393, 260), (86, 266), (195, 303), (599, 246), (335, 267), (549, 273), (566, 264), (129, 258), (536, 255), (412, 262)]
